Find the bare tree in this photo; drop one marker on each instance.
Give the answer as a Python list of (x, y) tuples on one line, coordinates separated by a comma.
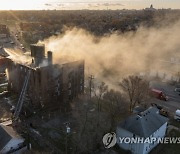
[(115, 105), (137, 90), (99, 92), (88, 137)]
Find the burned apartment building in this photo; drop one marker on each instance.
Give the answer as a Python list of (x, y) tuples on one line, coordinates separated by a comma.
[(49, 84)]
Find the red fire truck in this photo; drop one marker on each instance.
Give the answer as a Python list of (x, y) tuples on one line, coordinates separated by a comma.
[(158, 94)]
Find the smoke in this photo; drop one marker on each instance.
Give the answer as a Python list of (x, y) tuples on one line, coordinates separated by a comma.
[(18, 57), (114, 56)]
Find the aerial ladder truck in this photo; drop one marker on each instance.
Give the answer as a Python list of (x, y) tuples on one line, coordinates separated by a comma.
[(21, 97)]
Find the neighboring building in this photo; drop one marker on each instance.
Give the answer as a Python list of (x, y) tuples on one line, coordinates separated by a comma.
[(49, 84), (10, 141), (151, 8), (148, 124), (4, 31), (4, 35)]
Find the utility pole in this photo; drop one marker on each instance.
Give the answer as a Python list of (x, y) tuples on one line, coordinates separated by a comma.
[(91, 77), (68, 130)]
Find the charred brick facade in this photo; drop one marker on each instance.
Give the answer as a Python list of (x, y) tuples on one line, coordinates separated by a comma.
[(55, 84)]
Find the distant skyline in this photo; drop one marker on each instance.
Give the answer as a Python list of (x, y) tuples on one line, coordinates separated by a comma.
[(86, 4)]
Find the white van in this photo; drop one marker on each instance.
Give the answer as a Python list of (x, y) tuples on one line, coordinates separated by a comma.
[(177, 115)]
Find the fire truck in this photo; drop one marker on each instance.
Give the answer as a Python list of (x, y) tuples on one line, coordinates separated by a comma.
[(158, 94)]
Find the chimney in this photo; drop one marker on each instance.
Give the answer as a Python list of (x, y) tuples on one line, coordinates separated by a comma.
[(49, 53), (38, 52)]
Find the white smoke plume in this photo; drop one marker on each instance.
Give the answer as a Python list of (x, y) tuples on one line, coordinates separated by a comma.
[(114, 56), (17, 56)]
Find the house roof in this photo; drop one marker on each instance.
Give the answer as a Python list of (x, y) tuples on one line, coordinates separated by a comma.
[(6, 134), (144, 124)]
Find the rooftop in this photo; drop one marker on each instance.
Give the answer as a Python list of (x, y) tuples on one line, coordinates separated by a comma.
[(145, 123), (7, 133)]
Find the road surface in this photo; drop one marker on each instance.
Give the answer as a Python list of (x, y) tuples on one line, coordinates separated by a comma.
[(174, 98)]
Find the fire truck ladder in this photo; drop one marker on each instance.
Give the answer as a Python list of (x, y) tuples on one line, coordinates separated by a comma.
[(21, 97)]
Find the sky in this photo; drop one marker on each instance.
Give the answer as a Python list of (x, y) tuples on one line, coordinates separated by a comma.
[(86, 4)]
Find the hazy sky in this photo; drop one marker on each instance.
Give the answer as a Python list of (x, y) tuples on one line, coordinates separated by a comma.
[(86, 4)]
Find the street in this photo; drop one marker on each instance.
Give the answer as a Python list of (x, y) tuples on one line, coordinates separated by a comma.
[(174, 99)]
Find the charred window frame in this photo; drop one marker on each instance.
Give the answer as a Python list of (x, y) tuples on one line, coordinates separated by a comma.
[(39, 77)]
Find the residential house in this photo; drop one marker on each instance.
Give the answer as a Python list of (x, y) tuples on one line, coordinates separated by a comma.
[(10, 141), (144, 125)]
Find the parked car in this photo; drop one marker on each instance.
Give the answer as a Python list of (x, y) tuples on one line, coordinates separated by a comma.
[(177, 90), (163, 112), (177, 115)]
